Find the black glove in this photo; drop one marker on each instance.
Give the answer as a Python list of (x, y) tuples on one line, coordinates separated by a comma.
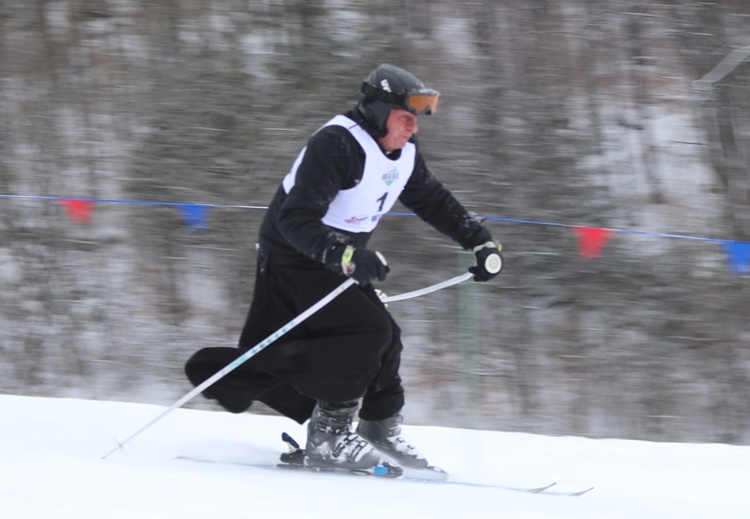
[(489, 261), (363, 265)]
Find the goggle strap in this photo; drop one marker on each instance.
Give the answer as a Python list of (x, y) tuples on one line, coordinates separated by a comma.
[(388, 97)]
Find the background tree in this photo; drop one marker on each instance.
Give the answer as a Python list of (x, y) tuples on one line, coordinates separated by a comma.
[(573, 112)]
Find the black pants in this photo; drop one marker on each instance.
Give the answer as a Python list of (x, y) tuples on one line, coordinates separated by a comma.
[(349, 349)]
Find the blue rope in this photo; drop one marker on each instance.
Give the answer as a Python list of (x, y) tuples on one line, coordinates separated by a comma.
[(228, 206), (133, 202)]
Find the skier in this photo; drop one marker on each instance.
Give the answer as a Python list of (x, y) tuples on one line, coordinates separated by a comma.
[(344, 358)]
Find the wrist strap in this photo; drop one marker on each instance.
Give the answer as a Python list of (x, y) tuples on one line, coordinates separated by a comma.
[(346, 259)]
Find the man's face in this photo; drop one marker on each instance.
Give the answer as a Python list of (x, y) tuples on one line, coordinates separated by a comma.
[(401, 125)]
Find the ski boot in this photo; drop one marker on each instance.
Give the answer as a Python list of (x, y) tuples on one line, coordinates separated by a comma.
[(385, 436), (332, 444)]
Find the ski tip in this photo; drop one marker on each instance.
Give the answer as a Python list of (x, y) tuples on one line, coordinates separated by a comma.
[(567, 493), (539, 490), (577, 494)]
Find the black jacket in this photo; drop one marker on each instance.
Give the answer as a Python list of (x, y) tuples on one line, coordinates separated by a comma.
[(334, 160)]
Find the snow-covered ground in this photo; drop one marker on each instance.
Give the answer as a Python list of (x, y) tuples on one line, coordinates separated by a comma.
[(51, 466)]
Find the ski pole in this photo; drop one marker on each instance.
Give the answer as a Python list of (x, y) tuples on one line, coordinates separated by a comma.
[(274, 336), (238, 361), (432, 288)]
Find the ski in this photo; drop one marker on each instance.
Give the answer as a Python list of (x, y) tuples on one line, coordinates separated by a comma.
[(294, 460), (543, 490)]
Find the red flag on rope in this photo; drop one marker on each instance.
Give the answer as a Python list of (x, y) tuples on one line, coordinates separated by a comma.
[(591, 240), (78, 210)]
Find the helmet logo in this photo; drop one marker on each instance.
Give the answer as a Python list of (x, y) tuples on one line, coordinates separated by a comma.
[(385, 85)]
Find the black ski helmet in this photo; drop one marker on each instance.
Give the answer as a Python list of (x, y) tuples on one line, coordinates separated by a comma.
[(388, 87)]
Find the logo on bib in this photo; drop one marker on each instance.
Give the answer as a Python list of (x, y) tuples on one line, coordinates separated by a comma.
[(390, 176), (355, 220)]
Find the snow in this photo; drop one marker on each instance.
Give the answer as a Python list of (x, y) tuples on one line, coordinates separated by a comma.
[(52, 467)]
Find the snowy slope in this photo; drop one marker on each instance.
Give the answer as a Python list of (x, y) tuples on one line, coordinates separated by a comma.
[(51, 466)]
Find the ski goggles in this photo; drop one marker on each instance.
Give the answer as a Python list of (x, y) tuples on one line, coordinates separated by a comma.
[(421, 102)]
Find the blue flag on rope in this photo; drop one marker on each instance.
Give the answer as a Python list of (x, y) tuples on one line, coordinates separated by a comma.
[(195, 215), (738, 254)]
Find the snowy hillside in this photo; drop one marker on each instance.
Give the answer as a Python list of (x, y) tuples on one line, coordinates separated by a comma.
[(52, 467)]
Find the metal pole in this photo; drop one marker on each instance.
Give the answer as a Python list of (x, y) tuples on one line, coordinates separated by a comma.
[(469, 341)]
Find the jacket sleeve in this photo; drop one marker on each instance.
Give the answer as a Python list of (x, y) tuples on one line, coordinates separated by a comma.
[(432, 202), (329, 165)]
